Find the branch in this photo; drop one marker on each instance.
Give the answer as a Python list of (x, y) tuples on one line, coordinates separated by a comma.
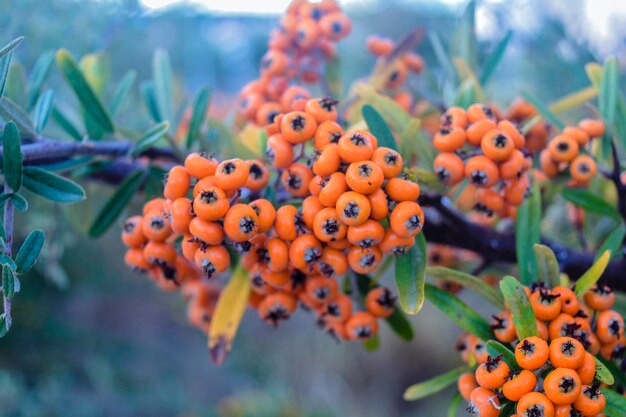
[(47, 151), (8, 243), (446, 226)]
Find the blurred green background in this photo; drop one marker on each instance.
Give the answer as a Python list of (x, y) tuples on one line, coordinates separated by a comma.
[(92, 339)]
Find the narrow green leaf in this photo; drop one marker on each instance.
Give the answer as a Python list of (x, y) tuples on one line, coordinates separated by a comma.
[(592, 275), (519, 305), (29, 251), (459, 312), (198, 115), (548, 270), (85, 94), (494, 59), (372, 344), (113, 208), (122, 91), (434, 385), (4, 326), (464, 43), (613, 242), (410, 276), (10, 46), (608, 365), (615, 403), (19, 202), (16, 83), (378, 127), (495, 348), (147, 91), (590, 202), (7, 261), (468, 281), (65, 124), (12, 157), (455, 403), (8, 282), (10, 111), (609, 87), (150, 137), (603, 374), (162, 77), (43, 108), (400, 325), (51, 186), (507, 409), (38, 77), (332, 71), (528, 233), (441, 55), (544, 111), (5, 64)]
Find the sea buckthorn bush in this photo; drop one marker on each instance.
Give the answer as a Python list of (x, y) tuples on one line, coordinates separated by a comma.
[(356, 205)]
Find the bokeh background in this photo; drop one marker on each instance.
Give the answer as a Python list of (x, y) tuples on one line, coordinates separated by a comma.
[(92, 339)]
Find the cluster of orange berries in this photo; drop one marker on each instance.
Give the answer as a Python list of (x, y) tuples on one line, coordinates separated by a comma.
[(304, 39), (554, 371), (476, 146), (295, 252), (408, 62), (520, 111), (350, 186), (564, 151)]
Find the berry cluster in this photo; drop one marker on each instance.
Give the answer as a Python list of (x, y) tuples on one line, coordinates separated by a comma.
[(536, 137), (304, 39), (408, 62), (554, 371), (564, 151), (331, 218), (474, 144)]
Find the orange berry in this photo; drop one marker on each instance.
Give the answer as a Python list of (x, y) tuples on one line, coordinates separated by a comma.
[(333, 263), (241, 223), (566, 352), (327, 132), (364, 260), (400, 189), (466, 384), (475, 132), (327, 225), (484, 403), (361, 326), (497, 146), (327, 160), (305, 251), (449, 139), (600, 298), (332, 188), (258, 177), (353, 208), (364, 177), (132, 232), (477, 112), (380, 302), (594, 128), (265, 212), (583, 168), (378, 204), (493, 373), (296, 179), (279, 151), (210, 233), (481, 171), (389, 161), (454, 117), (288, 222), (156, 226), (322, 110), (563, 148), (519, 384), (562, 386), (135, 259), (277, 307), (356, 146), (532, 353), (396, 245), (590, 402), (211, 203), (212, 260), (535, 404), (407, 219), (449, 168)]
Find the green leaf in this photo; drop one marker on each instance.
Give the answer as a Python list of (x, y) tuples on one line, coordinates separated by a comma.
[(19, 202), (459, 312), (495, 348), (494, 59), (29, 251), (400, 325), (51, 186), (150, 137), (528, 233), (200, 106), (615, 403), (8, 282), (441, 55), (4, 326), (332, 72), (519, 306), (162, 77), (590, 202), (592, 275), (10, 46), (464, 43), (410, 276), (610, 366), (113, 208), (434, 385), (43, 108), (65, 124), (468, 281), (7, 261), (507, 410), (603, 374), (613, 242), (455, 403), (12, 157), (609, 88), (147, 91), (378, 127), (544, 111), (548, 270), (38, 77), (5, 65), (372, 344), (122, 91), (85, 94), (16, 83), (10, 111)]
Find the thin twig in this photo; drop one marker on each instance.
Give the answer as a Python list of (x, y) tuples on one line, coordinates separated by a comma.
[(8, 243)]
